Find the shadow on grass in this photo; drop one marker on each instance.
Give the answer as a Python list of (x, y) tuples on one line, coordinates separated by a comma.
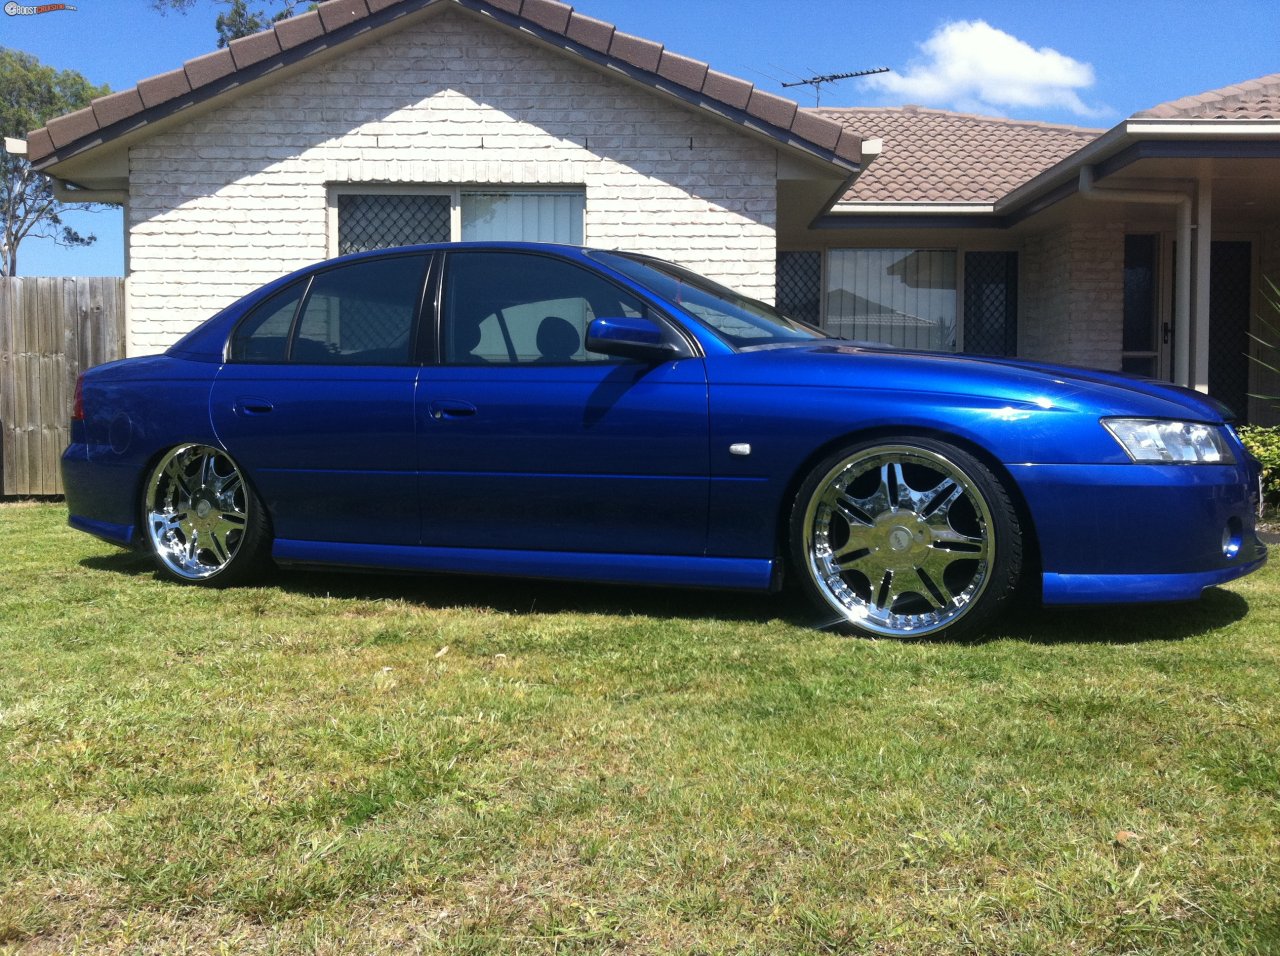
[(1120, 624)]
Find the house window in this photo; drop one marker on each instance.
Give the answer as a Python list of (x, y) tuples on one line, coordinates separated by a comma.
[(991, 303), (902, 297), (383, 217), (800, 286), (383, 220), (523, 217)]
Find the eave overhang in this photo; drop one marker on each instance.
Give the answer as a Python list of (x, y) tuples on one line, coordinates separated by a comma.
[(1115, 150)]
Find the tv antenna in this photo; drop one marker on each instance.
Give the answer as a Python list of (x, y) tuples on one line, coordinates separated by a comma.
[(817, 81)]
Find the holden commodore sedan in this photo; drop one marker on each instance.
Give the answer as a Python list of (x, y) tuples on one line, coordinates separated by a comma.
[(554, 412)]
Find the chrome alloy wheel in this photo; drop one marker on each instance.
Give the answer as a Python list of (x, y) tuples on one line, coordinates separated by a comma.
[(899, 540), (197, 511)]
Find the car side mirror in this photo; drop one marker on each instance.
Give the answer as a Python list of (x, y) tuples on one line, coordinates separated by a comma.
[(629, 337)]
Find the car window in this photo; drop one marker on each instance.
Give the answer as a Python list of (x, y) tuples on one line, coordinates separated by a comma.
[(510, 308), (361, 313), (264, 335), (742, 322)]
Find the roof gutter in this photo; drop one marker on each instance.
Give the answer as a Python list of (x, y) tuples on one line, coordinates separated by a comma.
[(1089, 189), (66, 191)]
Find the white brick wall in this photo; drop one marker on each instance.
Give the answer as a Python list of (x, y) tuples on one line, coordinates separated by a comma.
[(240, 196)]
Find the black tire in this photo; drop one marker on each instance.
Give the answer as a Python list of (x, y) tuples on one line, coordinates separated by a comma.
[(202, 522), (905, 537)]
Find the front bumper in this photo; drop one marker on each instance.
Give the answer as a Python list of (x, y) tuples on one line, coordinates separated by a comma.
[(1112, 534)]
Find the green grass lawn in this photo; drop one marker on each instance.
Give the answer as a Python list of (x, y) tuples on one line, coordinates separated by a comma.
[(337, 763)]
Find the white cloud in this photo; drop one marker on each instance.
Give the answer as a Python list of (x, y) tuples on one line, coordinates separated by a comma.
[(970, 65)]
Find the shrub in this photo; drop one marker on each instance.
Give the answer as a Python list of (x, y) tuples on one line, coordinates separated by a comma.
[(1263, 443)]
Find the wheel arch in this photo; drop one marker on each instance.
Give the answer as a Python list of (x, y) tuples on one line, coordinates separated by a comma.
[(1031, 567), (144, 477)]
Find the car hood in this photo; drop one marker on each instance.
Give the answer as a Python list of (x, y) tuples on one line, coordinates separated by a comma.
[(1038, 384)]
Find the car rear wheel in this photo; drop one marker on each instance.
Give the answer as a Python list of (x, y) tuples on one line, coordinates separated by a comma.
[(204, 523), (906, 538)]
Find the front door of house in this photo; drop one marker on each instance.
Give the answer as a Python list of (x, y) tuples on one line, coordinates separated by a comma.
[(1230, 298), (1149, 326)]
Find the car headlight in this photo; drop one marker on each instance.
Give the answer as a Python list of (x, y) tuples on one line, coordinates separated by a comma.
[(1158, 440)]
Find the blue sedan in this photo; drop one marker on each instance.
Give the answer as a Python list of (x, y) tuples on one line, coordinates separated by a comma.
[(556, 412)]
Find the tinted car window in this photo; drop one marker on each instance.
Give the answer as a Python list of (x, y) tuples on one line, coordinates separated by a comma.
[(361, 313), (743, 322), (509, 308), (264, 335)]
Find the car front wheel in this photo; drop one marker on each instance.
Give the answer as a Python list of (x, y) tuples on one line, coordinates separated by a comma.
[(906, 538), (204, 523)]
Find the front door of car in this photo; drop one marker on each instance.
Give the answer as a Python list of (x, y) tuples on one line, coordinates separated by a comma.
[(530, 442), (316, 403)]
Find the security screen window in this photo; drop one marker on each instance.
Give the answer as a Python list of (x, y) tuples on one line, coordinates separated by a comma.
[(902, 297)]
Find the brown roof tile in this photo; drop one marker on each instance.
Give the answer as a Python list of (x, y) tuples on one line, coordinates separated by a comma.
[(727, 89), (1252, 99), (682, 70), (209, 68), (117, 106), (39, 144), (590, 32), (299, 30), (336, 14), (772, 109), (254, 49), (69, 128), (204, 75), (939, 156), (635, 50), (547, 14), (817, 129), (163, 88)]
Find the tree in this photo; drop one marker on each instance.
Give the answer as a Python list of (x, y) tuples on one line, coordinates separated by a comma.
[(31, 94), (239, 20)]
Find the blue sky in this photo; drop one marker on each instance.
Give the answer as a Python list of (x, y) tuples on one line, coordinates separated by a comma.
[(1085, 62)]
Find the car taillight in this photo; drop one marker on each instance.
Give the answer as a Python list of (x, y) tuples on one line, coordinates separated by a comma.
[(77, 409)]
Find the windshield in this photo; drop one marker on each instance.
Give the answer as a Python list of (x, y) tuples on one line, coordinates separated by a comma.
[(743, 322)]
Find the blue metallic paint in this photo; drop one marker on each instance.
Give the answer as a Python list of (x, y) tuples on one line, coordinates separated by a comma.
[(754, 574), (622, 472), (612, 458)]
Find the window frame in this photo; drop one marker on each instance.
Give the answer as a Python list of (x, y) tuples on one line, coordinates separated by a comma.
[(686, 345), (959, 250), (954, 252), (453, 191), (416, 330)]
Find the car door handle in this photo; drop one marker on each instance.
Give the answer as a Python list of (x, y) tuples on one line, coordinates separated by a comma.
[(252, 406), (450, 408)]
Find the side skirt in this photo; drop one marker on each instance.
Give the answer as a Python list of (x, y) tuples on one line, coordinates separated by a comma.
[(755, 574)]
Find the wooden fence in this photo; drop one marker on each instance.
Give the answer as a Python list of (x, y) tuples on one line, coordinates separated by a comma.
[(51, 329)]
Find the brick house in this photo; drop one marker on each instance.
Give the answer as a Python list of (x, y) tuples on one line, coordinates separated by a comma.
[(369, 123)]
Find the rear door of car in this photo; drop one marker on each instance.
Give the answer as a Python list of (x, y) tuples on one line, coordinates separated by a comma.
[(316, 402), (527, 441)]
